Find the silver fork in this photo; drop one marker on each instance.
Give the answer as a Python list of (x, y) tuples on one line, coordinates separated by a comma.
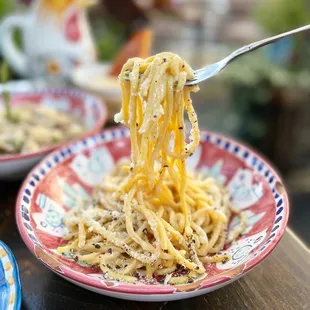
[(212, 70)]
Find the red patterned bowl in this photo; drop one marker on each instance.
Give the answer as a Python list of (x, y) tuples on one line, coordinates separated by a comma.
[(51, 188), (88, 109)]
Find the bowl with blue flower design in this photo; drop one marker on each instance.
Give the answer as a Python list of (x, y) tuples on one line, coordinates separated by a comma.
[(70, 173), (86, 111)]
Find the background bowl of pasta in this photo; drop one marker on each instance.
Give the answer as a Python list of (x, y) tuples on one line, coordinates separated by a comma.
[(94, 79), (68, 176), (38, 121)]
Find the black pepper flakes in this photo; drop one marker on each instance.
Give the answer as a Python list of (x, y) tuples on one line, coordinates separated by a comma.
[(97, 246), (144, 230), (180, 127), (225, 260), (165, 166), (110, 251), (190, 280)]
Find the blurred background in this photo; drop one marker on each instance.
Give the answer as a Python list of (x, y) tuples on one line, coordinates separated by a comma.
[(262, 99)]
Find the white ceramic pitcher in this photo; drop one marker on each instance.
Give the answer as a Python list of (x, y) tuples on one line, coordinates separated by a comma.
[(56, 37)]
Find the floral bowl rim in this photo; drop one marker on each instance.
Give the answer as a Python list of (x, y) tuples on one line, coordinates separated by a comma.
[(157, 292), (103, 115)]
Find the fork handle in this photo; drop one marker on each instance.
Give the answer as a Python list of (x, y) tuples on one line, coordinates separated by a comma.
[(255, 45)]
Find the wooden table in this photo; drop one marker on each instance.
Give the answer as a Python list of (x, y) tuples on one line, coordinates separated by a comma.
[(282, 281)]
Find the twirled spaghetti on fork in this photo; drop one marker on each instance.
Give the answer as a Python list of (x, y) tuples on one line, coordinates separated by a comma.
[(152, 217)]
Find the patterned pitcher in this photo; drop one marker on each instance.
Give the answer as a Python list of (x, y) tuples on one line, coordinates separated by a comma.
[(56, 37)]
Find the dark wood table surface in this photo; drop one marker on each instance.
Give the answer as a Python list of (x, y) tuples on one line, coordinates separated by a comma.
[(282, 281)]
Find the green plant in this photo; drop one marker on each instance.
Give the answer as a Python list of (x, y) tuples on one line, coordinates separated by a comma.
[(9, 7), (259, 80), (277, 16), (6, 7), (254, 84), (4, 75), (250, 70), (109, 38)]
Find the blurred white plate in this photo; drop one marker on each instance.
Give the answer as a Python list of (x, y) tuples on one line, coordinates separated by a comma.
[(94, 78)]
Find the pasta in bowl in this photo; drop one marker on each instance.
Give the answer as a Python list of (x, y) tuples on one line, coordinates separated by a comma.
[(33, 128), (40, 121), (154, 210), (68, 177)]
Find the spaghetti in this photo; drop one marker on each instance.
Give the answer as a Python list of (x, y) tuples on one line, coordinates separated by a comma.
[(151, 218)]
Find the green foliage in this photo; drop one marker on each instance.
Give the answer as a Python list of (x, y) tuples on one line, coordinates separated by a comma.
[(7, 7), (252, 80), (254, 77), (4, 76), (251, 69), (277, 16), (4, 72), (109, 38)]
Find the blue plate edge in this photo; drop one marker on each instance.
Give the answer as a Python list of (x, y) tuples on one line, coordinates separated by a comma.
[(16, 277)]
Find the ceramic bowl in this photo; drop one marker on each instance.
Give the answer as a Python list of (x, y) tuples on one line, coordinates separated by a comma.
[(10, 287), (87, 108), (93, 78), (52, 187)]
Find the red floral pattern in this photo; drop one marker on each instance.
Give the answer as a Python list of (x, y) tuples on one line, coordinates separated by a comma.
[(268, 230)]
